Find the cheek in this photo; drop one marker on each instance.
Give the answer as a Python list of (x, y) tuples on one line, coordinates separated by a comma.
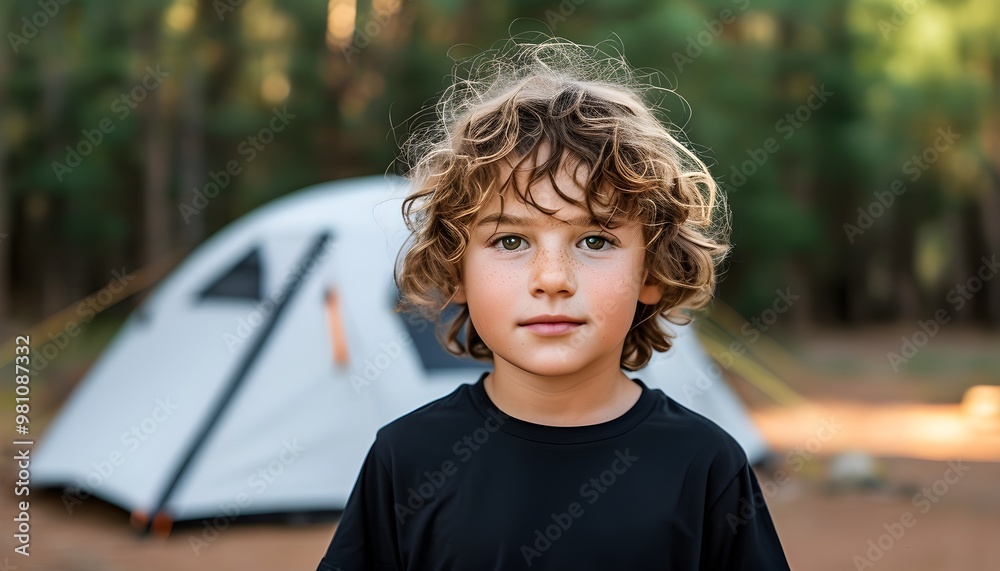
[(486, 286), (614, 299)]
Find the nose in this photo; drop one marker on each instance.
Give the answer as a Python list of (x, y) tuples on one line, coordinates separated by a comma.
[(552, 272)]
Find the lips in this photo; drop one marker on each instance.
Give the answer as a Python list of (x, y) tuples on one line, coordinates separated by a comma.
[(551, 324)]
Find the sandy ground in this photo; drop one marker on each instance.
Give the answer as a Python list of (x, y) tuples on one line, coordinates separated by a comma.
[(954, 527), (820, 530), (908, 430)]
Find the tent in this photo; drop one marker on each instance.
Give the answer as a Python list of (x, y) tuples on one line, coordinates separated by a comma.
[(253, 378)]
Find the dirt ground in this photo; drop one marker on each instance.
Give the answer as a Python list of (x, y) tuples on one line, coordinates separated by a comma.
[(820, 531), (930, 500)]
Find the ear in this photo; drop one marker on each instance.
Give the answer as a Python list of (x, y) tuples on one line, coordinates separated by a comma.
[(459, 296), (650, 293)]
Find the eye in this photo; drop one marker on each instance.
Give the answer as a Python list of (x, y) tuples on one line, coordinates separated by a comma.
[(510, 242), (594, 242)]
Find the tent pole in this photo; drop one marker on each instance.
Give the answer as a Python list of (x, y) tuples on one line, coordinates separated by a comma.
[(249, 356)]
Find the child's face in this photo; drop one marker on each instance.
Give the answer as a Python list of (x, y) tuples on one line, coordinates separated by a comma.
[(532, 266)]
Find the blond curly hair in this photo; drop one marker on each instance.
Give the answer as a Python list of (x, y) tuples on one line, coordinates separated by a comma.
[(582, 104)]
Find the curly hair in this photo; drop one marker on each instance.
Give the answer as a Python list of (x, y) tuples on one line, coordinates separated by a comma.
[(581, 104)]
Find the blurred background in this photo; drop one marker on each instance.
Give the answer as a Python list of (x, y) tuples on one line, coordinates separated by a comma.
[(858, 143)]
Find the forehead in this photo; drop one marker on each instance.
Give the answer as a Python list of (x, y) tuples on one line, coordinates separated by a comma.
[(526, 184)]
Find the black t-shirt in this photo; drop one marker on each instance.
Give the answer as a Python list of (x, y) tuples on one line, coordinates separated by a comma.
[(458, 485)]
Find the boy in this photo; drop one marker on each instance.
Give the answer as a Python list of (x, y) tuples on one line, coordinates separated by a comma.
[(567, 226)]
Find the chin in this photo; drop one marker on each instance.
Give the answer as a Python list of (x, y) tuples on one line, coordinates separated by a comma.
[(546, 361), (551, 372), (549, 369)]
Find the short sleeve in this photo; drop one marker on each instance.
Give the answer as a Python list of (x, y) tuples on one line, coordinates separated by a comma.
[(739, 534), (365, 538)]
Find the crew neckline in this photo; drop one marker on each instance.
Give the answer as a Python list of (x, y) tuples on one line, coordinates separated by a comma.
[(563, 434)]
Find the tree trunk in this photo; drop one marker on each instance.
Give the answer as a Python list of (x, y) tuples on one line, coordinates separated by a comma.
[(6, 275), (156, 209), (192, 148), (157, 213), (989, 214), (43, 240)]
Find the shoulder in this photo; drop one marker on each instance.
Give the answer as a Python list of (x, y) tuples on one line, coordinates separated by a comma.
[(429, 426), (704, 441)]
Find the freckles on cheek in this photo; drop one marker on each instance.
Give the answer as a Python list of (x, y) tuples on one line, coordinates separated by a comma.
[(615, 301), (490, 300)]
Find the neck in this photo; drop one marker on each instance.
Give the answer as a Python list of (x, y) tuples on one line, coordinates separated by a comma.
[(600, 394)]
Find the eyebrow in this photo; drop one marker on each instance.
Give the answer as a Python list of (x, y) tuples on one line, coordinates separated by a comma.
[(499, 218)]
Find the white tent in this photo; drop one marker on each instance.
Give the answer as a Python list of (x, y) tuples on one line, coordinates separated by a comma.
[(254, 377)]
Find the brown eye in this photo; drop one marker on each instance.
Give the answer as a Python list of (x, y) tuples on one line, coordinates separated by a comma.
[(594, 242), (510, 242)]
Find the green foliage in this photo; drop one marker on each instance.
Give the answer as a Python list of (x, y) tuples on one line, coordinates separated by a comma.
[(742, 73)]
